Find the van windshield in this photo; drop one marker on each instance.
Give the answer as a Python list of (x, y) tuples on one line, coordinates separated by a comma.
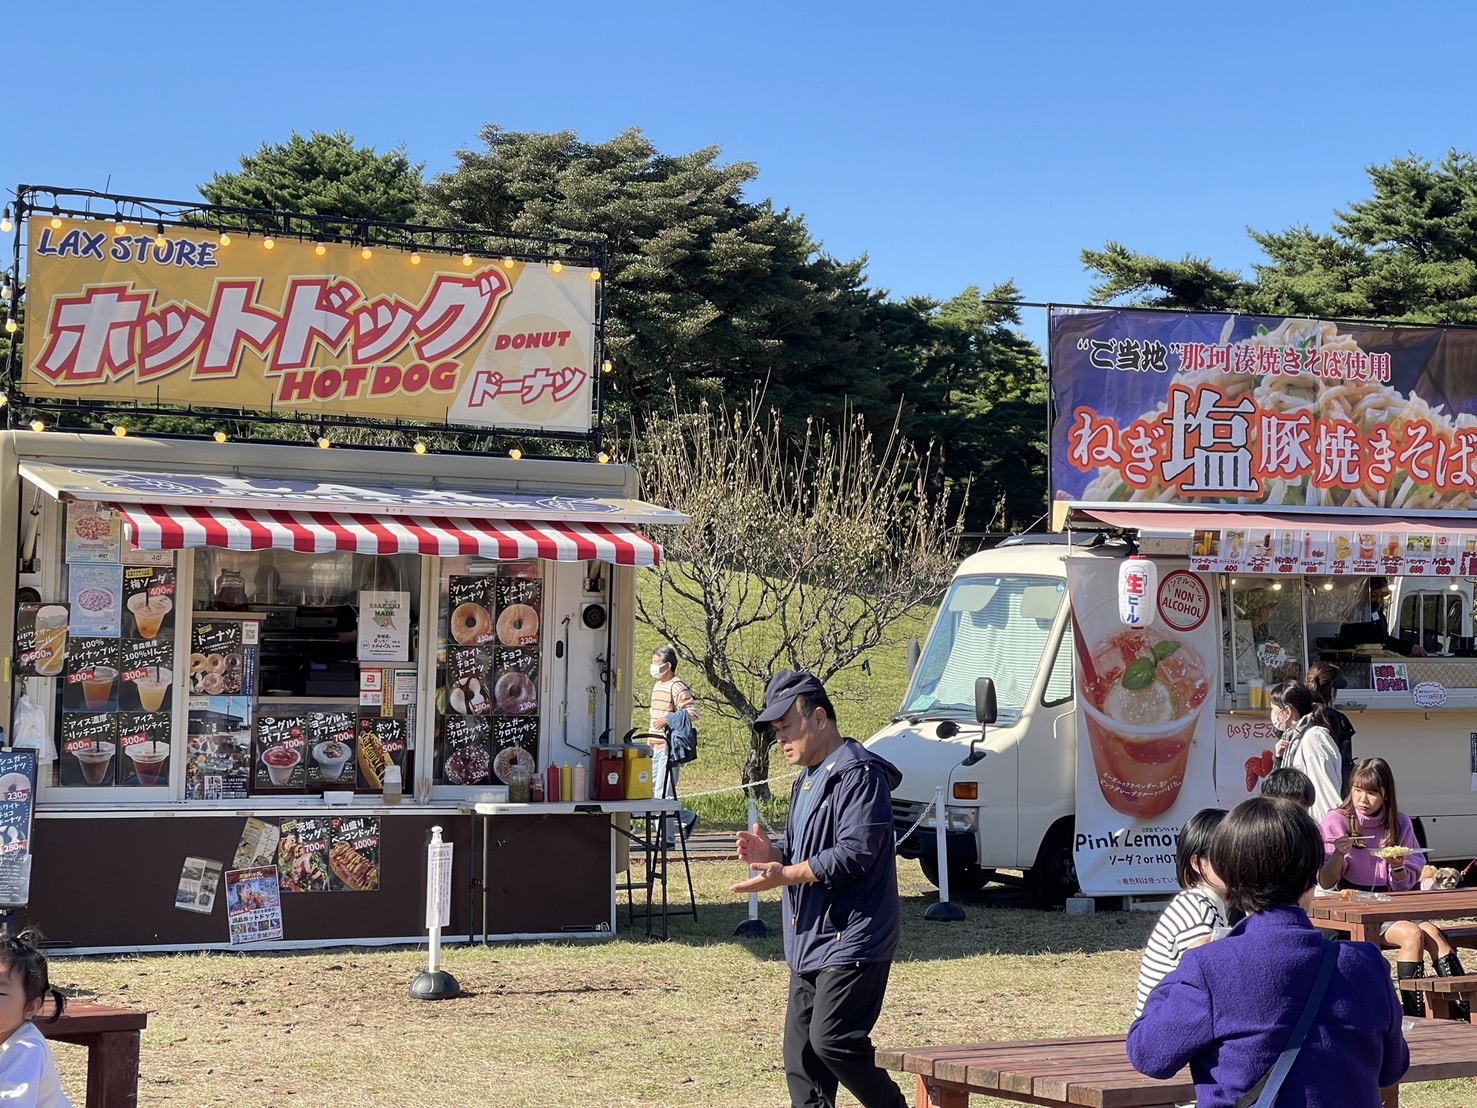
[(996, 627)]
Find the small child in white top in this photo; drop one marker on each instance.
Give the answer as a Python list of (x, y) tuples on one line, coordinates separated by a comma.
[(28, 1077), (1195, 916)]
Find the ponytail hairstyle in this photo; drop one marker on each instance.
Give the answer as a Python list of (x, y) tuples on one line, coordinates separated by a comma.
[(1323, 681), (1298, 697), (1374, 775), (22, 952)]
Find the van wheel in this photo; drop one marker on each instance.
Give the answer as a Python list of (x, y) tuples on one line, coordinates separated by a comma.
[(1054, 876), (968, 878)]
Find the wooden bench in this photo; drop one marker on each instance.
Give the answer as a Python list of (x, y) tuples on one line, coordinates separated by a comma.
[(1464, 935), (111, 1036), (1441, 992)]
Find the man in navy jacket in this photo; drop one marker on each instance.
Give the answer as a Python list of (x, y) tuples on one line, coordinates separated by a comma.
[(837, 864)]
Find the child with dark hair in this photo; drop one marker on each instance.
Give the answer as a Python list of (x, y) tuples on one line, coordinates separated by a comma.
[(27, 1070), (1195, 916), (1231, 1007), (1289, 784)]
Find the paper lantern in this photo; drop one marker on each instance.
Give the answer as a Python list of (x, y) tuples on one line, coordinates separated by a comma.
[(1138, 585)]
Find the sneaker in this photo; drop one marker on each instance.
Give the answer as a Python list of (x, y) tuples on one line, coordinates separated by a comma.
[(688, 820)]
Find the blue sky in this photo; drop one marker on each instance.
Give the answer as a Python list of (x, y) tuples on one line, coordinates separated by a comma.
[(953, 143)]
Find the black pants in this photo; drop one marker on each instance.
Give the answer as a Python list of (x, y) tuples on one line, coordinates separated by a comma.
[(828, 1037)]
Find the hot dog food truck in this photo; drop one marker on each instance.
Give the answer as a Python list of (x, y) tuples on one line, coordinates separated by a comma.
[(1238, 498), (255, 675)]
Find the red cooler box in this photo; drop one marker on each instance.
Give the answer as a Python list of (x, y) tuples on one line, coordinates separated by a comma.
[(610, 773)]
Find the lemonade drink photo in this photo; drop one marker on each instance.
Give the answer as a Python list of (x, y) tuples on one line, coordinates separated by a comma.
[(1142, 702), (148, 613), (151, 688)]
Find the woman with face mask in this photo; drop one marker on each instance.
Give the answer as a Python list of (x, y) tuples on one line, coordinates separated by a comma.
[(668, 693), (1306, 743)]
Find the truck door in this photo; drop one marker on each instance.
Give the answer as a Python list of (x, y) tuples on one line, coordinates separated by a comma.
[(1048, 750)]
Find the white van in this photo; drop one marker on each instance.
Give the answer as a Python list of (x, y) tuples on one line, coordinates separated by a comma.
[(1010, 785)]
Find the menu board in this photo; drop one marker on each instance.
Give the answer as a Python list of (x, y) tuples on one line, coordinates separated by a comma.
[(17, 797), (91, 683), (381, 743), (94, 533), (470, 601), (41, 639), (466, 759), (1362, 552), (519, 606), (302, 856), (220, 663), (354, 853), (147, 672), (143, 742), (148, 601), (515, 689), (219, 748), (469, 690), (277, 754), (88, 745), (95, 596), (330, 750)]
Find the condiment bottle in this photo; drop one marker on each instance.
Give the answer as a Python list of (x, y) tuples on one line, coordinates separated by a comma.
[(392, 784), (578, 789), (566, 783), (551, 784)]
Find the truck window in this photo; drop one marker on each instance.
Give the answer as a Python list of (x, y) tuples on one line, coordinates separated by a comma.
[(995, 627), (1059, 682)]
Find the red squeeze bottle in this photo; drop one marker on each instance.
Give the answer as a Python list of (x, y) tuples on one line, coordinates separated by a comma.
[(551, 783)]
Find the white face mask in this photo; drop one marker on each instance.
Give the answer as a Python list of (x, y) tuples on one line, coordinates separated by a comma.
[(656, 671)]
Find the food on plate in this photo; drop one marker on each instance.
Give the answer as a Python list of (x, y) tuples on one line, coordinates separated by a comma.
[(373, 761), (509, 757), (470, 624), (514, 694), (353, 869), (467, 765), (1392, 853), (517, 625)]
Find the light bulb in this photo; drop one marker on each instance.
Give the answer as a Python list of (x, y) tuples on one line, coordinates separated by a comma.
[(225, 239), (515, 453), (320, 250), (37, 425), (11, 326), (602, 457), (159, 236), (606, 367), (1453, 586), (323, 443), (415, 257), (220, 436), (594, 275), (1328, 586), (508, 263), (366, 253), (119, 430), (556, 267), (419, 448), (1276, 586), (4, 400), (119, 227), (5, 224), (6, 291), (56, 223), (466, 259), (269, 242)]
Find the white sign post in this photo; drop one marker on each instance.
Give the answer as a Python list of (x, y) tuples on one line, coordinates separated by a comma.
[(434, 983)]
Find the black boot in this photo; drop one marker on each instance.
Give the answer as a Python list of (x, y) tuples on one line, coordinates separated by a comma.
[(1413, 1003), (1449, 965)]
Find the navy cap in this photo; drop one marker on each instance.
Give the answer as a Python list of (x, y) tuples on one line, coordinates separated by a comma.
[(784, 687)]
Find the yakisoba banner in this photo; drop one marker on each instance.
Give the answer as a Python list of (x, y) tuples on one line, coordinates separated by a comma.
[(123, 317), (1213, 408)]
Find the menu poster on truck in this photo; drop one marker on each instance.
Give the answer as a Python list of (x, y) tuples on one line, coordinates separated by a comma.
[(95, 595), (41, 639), (384, 626), (17, 795), (1243, 757), (94, 533), (354, 853), (302, 855), (253, 905), (1145, 724)]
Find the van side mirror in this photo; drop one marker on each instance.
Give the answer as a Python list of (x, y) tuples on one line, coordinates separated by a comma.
[(914, 653), (984, 700), (984, 713)]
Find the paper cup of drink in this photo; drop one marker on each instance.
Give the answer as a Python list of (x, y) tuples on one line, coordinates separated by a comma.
[(97, 690), (1257, 692), (148, 762), (148, 613), (151, 688), (96, 761)]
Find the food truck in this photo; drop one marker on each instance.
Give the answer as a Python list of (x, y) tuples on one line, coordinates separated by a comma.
[(1245, 497), (255, 675)]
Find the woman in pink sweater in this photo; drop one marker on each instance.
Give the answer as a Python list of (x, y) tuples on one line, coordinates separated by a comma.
[(1367, 821)]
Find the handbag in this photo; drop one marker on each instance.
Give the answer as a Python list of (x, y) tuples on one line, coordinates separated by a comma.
[(1264, 1093)]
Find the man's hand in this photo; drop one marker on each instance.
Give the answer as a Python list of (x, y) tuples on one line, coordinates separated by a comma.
[(754, 847), (1417, 651), (767, 875)]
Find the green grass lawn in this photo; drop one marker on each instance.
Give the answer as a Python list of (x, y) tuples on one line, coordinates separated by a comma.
[(863, 704)]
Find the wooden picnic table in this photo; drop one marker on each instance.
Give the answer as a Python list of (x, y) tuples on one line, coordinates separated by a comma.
[(1093, 1071), (111, 1036), (1362, 918)]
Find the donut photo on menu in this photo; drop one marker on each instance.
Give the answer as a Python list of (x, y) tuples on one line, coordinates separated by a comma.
[(469, 608), (514, 694), (517, 625)]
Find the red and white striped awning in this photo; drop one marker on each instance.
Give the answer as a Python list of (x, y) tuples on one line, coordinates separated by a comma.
[(179, 527)]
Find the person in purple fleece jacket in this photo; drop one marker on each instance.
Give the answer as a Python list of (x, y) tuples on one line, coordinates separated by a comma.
[(1229, 1009), (837, 865)]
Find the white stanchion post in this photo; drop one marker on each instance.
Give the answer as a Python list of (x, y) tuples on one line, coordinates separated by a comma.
[(435, 983), (753, 927), (943, 910)]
